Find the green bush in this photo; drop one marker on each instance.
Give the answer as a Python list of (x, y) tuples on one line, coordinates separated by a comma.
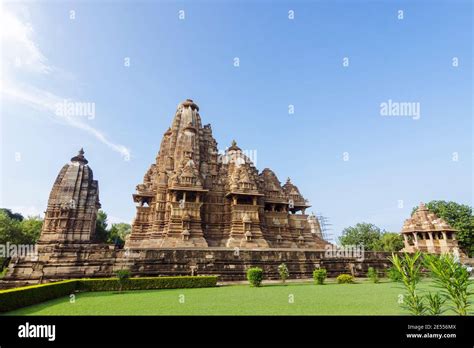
[(372, 275), (25, 296), (394, 275), (255, 276), (345, 279), (283, 271), (319, 276)]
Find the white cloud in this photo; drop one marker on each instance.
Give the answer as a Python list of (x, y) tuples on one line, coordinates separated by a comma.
[(20, 52), (18, 48), (45, 101)]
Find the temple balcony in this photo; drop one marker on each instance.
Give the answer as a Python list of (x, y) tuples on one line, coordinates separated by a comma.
[(245, 208), (180, 209)]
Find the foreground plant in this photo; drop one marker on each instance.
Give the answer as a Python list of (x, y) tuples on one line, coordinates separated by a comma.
[(435, 303), (453, 279), (409, 269)]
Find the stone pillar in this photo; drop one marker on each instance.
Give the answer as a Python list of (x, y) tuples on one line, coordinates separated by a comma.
[(430, 245), (405, 239), (415, 239)]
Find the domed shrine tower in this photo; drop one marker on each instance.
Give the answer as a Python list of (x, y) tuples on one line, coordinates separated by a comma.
[(426, 232), (193, 197)]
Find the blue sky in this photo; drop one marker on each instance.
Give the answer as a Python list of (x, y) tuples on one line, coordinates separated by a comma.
[(48, 57)]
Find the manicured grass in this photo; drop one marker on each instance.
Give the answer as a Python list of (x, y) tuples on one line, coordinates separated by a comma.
[(362, 298)]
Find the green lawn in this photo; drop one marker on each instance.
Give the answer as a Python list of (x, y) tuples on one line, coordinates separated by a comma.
[(362, 298)]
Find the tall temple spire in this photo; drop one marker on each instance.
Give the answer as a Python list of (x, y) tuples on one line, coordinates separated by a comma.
[(72, 205), (192, 197)]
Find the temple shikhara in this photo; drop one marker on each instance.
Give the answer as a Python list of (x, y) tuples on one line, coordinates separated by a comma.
[(72, 205), (426, 232), (193, 197), (197, 212)]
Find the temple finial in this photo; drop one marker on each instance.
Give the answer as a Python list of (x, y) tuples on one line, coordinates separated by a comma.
[(234, 146), (80, 157)]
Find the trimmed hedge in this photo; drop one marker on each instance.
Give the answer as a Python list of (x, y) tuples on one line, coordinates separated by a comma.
[(147, 283), (26, 296)]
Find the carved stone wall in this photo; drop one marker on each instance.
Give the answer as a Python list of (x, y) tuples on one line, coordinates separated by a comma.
[(79, 261)]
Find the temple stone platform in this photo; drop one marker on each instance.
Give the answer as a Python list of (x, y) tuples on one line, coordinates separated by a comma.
[(95, 261)]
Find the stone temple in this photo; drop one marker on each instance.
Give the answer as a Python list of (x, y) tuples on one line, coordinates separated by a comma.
[(198, 212), (72, 206), (426, 232), (193, 197)]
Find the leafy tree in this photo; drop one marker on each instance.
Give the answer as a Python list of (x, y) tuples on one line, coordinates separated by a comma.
[(118, 232), (364, 234), (11, 215), (10, 230), (460, 217), (14, 229), (101, 233), (31, 228), (391, 242)]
